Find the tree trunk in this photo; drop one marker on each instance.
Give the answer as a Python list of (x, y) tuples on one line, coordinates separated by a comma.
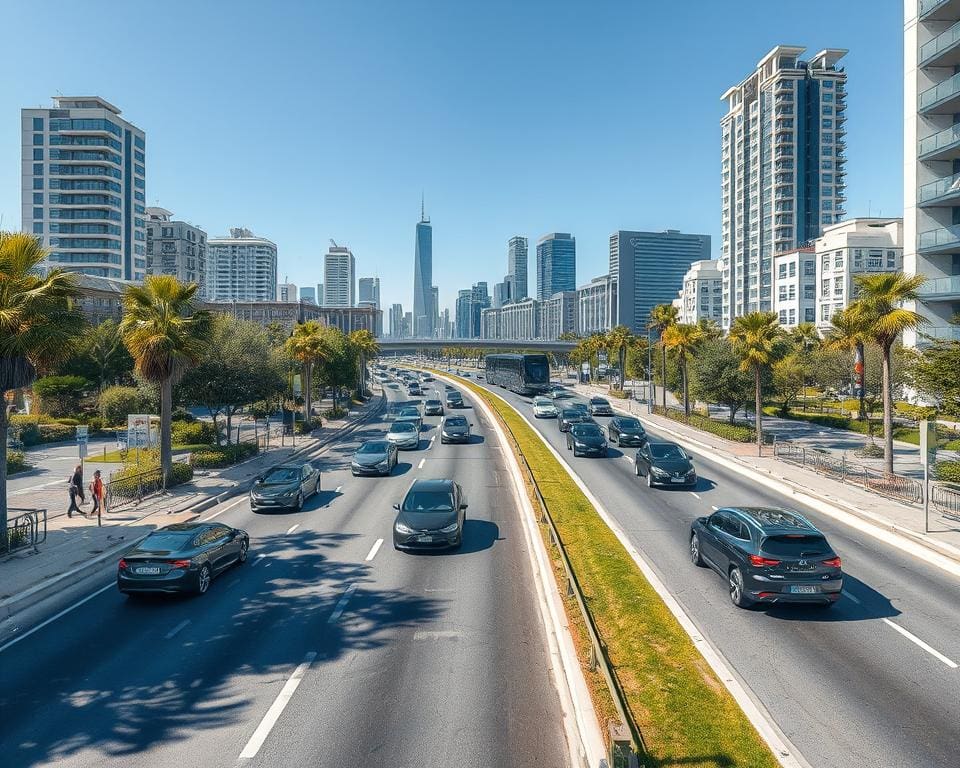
[(229, 424), (4, 428), (166, 412), (686, 395), (757, 414), (887, 410), (863, 382), (663, 373), (307, 388)]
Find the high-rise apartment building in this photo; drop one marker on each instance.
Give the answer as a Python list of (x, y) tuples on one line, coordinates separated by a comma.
[(241, 267), (339, 282), (396, 321), (287, 292), (83, 190), (308, 294), (517, 267), (782, 168), (370, 291), (931, 163), (556, 264), (501, 292), (647, 269), (593, 306), (423, 313), (795, 286), (176, 248), (701, 297)]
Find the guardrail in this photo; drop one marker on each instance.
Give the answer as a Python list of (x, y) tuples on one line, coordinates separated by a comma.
[(946, 500), (893, 486), (25, 530), (132, 489)]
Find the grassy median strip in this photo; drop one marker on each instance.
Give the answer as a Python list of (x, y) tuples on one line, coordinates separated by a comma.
[(684, 712)]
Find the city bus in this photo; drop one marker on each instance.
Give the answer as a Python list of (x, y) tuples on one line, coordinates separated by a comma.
[(523, 374)]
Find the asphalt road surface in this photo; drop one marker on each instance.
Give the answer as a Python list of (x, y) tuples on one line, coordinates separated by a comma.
[(382, 658)]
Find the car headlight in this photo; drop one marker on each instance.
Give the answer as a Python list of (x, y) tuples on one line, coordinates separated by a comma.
[(452, 528), (384, 463), (401, 528), (578, 444), (691, 472), (659, 472)]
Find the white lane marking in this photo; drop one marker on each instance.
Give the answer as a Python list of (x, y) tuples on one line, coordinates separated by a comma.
[(257, 561), (226, 508), (276, 709), (917, 641), (173, 632), (64, 612), (695, 495), (629, 458), (373, 550), (341, 604), (422, 462), (439, 634), (292, 528), (714, 507), (851, 597)]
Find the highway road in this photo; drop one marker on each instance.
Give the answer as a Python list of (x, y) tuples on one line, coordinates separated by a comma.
[(383, 658), (871, 681)]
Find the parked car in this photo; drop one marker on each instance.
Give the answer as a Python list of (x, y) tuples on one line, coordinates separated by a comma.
[(433, 407), (285, 486), (586, 440), (404, 434), (626, 430), (767, 556), (184, 557), (374, 457), (600, 406), (569, 417), (410, 413), (454, 399), (664, 464), (543, 408), (431, 516), (455, 429)]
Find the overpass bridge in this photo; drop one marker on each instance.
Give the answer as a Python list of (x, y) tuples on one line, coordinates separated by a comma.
[(388, 345)]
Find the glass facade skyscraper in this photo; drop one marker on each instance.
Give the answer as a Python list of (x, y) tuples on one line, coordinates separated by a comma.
[(517, 268), (423, 309), (556, 264)]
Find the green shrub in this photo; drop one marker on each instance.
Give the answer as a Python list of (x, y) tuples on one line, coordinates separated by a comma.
[(55, 433), (68, 422), (193, 433), (27, 427), (335, 413), (182, 414), (96, 423), (915, 412), (947, 471), (222, 456), (16, 461), (116, 403), (738, 433), (61, 395)]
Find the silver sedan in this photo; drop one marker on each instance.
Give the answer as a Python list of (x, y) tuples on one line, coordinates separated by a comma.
[(404, 435)]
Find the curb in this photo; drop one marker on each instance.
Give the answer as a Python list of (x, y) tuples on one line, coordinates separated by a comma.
[(38, 592)]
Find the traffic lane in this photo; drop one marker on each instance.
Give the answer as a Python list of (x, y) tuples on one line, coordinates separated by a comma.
[(469, 685), (808, 658)]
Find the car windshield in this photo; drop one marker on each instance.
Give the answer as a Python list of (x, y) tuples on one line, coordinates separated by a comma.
[(404, 426), (373, 447), (571, 413), (630, 424), (795, 545), (166, 541), (586, 430), (456, 421), (428, 501), (408, 411), (282, 475), (599, 401), (541, 401), (433, 402), (667, 451)]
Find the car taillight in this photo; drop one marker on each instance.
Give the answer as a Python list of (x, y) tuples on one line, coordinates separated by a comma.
[(833, 562), (180, 563), (763, 562), (122, 564)]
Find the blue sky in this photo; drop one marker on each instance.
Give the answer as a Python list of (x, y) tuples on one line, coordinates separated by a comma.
[(313, 120)]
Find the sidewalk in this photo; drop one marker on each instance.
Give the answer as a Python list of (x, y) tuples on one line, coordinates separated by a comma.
[(74, 546), (790, 479)]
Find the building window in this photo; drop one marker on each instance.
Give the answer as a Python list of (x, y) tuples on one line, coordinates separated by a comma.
[(38, 183), (793, 269), (825, 286), (809, 291), (891, 259), (824, 312), (38, 198), (838, 260), (38, 213), (809, 268), (38, 169), (826, 262), (793, 316), (826, 219), (782, 272), (792, 293), (809, 315), (838, 287), (783, 317)]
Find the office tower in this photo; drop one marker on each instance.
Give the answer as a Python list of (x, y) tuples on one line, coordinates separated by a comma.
[(287, 292), (646, 269), (423, 277), (782, 166), (241, 267), (501, 292), (83, 187), (593, 306), (434, 310), (339, 269), (407, 325), (556, 264), (308, 294), (396, 321), (517, 267), (176, 248), (464, 314), (320, 293), (931, 164), (701, 294), (370, 291)]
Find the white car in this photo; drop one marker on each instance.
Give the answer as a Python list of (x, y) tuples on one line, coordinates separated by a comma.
[(405, 435), (543, 408)]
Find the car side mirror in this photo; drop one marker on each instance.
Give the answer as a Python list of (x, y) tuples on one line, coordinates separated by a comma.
[(396, 507), (463, 506)]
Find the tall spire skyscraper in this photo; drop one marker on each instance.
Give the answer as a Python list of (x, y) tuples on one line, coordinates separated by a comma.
[(423, 309)]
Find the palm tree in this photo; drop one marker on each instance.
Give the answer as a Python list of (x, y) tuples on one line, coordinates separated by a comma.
[(366, 345), (305, 345), (683, 338), (38, 324), (879, 306), (617, 340), (662, 317), (848, 333), (755, 338), (164, 333), (806, 337), (710, 328)]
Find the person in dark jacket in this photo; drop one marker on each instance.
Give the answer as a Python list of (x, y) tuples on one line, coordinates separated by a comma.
[(76, 490)]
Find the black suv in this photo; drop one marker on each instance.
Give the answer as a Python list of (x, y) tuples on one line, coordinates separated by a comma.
[(625, 430), (570, 416), (767, 555)]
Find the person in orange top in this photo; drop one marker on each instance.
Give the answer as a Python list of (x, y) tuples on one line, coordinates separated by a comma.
[(99, 492)]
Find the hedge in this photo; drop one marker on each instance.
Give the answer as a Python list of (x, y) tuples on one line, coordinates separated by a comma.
[(948, 471), (181, 472), (222, 456), (32, 432), (193, 433), (16, 462), (738, 433)]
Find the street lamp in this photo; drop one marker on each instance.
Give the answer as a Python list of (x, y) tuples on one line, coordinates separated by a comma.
[(650, 392)]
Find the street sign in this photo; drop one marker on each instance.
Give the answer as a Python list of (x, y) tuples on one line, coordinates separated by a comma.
[(82, 433), (138, 431), (82, 448)]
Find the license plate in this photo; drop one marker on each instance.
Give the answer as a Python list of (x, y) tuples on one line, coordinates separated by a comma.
[(425, 539), (678, 479), (149, 570), (804, 589)]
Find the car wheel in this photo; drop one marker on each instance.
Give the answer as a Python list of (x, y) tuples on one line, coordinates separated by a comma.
[(203, 579), (299, 504), (737, 590), (244, 548), (695, 557)]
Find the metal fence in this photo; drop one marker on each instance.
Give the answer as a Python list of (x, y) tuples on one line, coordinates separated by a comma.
[(26, 529), (894, 486), (132, 489), (946, 501)]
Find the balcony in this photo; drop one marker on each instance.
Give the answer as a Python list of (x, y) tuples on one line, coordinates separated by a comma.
[(927, 333), (943, 50), (943, 240), (940, 193), (943, 145), (939, 10), (941, 289), (943, 98)]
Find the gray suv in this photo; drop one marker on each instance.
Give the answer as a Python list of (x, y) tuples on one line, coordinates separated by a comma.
[(767, 555)]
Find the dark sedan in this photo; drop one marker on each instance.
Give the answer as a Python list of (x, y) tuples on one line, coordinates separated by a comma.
[(183, 557), (570, 416), (432, 407), (665, 464), (374, 457), (600, 406), (455, 429), (285, 486), (431, 516), (586, 440), (625, 430), (454, 399), (767, 556)]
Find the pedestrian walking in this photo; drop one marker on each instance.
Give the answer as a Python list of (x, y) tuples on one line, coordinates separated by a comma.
[(98, 490), (76, 490)]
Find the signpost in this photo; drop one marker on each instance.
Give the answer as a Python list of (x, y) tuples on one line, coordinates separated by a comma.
[(82, 435), (928, 455)]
